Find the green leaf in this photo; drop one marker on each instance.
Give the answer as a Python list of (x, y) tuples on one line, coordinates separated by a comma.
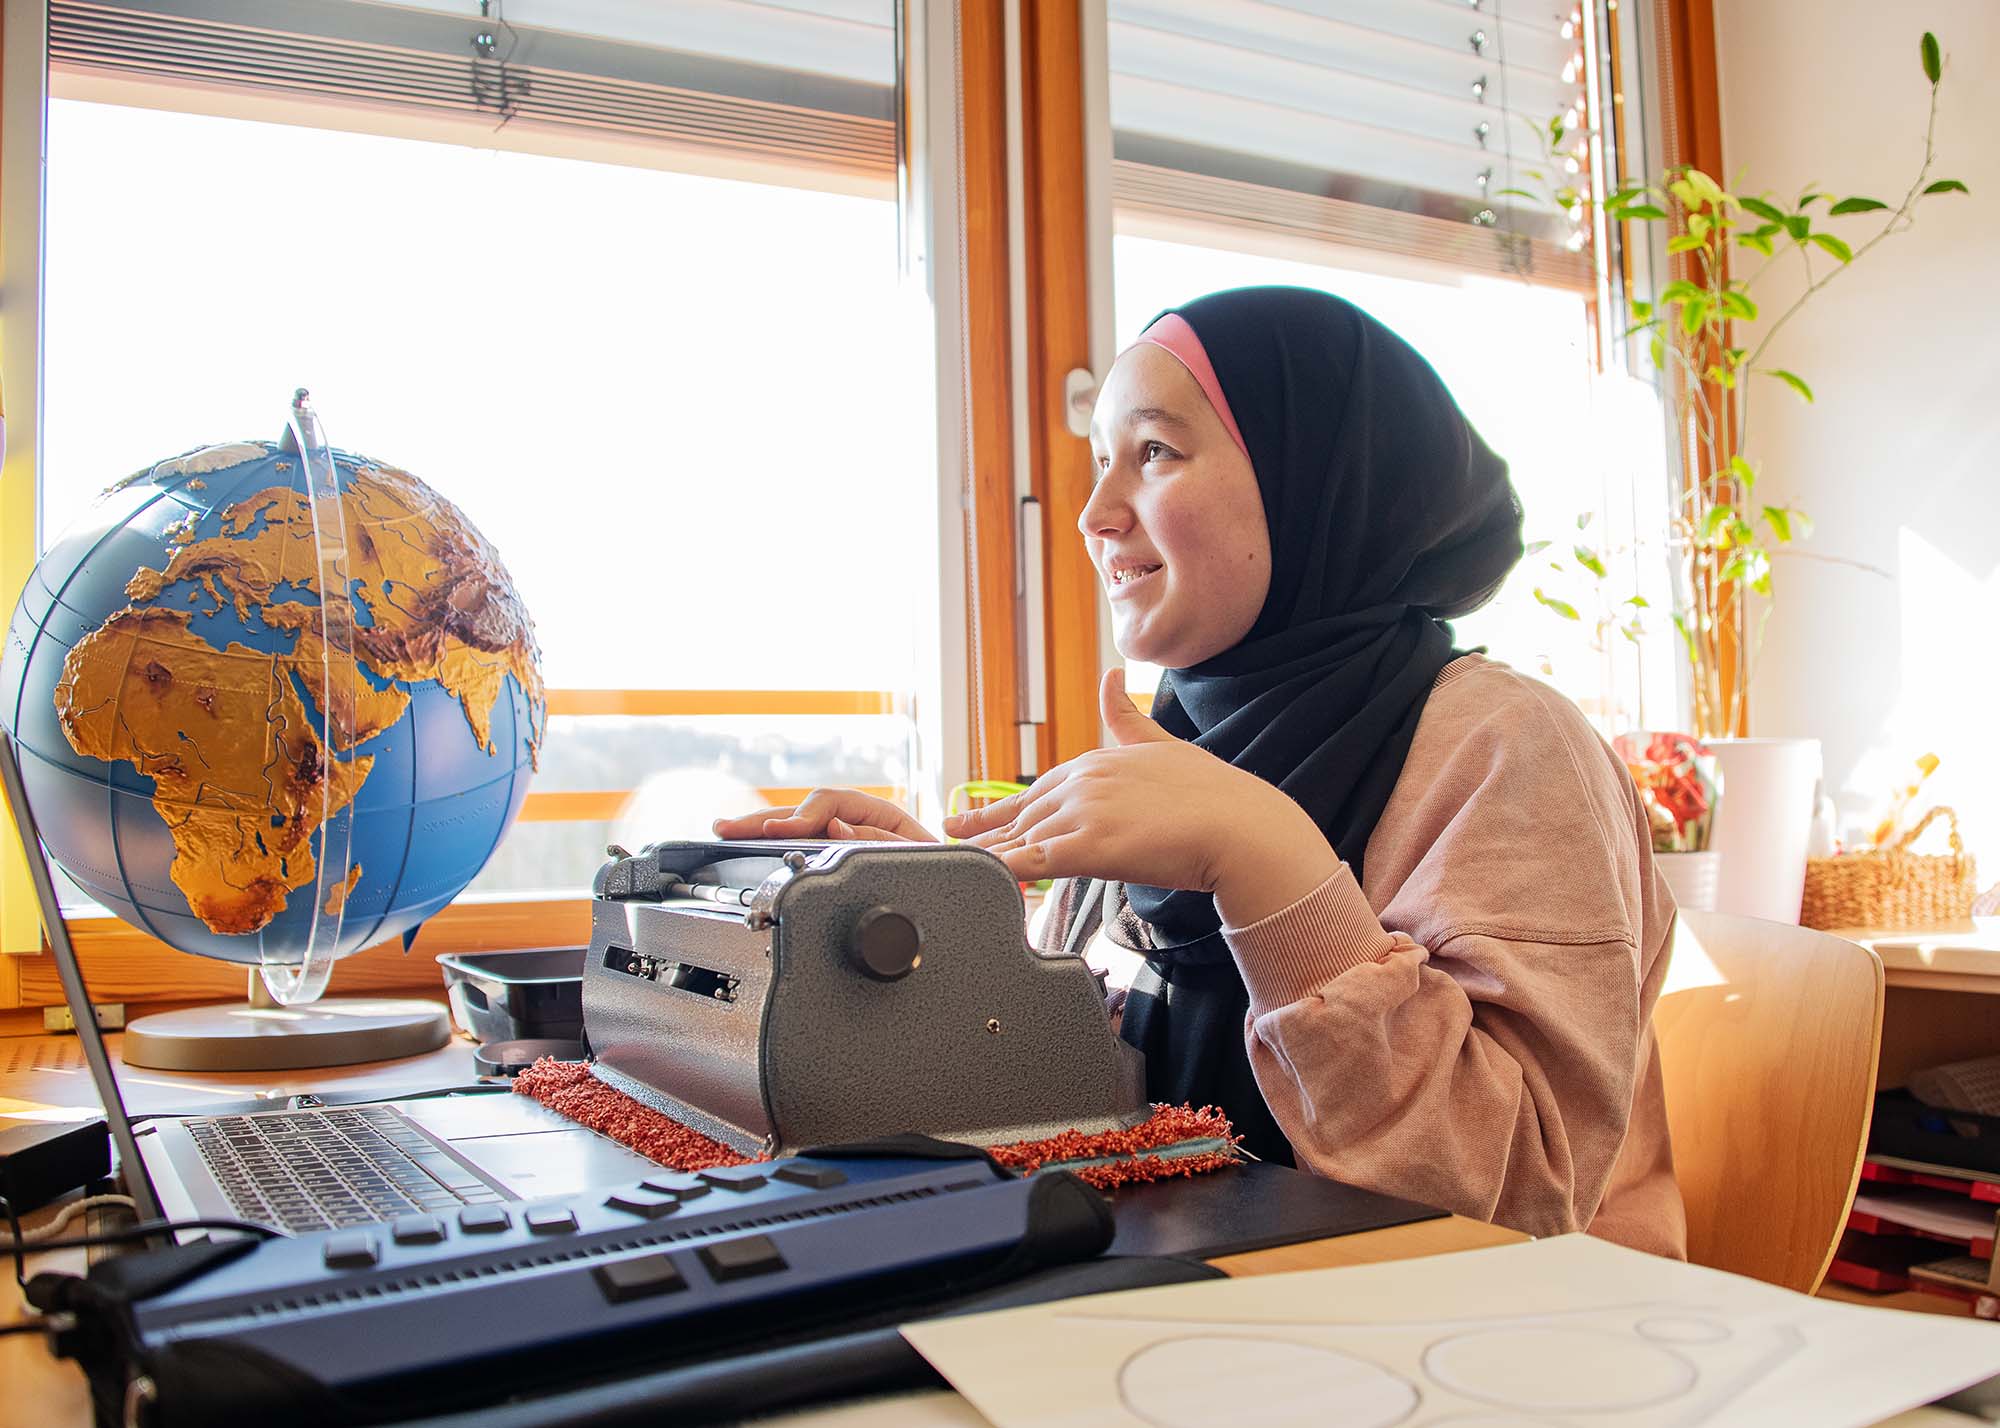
[(1856, 205), (1642, 210), (1641, 310), (1694, 312), (1517, 193), (1947, 186), (1716, 523), (1534, 548), (1933, 63), (1721, 376), (1583, 519), (1807, 198), (1561, 607), (1658, 349), (1834, 246), (1708, 188), (1798, 225), (1638, 602), (1680, 290), (1685, 243), (1751, 566), (1780, 521), (1757, 241), (1738, 304), (1743, 471), (1764, 209), (1792, 380), (1684, 191), (1590, 560)]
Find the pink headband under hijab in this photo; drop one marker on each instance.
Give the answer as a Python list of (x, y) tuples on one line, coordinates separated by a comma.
[(1172, 333)]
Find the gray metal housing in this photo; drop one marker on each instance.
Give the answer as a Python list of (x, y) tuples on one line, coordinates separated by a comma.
[(722, 988)]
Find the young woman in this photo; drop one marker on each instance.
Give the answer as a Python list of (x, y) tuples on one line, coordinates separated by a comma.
[(1396, 902)]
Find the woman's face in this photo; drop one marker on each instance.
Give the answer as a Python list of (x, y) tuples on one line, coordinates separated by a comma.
[(1175, 525)]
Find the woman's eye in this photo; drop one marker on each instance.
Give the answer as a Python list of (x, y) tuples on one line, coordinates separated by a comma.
[(1157, 451)]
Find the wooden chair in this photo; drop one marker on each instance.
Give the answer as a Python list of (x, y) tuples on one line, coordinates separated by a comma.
[(1769, 1037)]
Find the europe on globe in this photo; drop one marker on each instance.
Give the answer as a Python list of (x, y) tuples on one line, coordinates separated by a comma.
[(165, 679)]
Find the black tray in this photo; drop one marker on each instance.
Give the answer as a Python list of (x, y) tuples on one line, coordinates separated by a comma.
[(517, 996)]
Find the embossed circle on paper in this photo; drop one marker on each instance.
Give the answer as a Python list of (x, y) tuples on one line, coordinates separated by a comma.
[(1206, 1379), (1683, 1329), (1542, 1369)]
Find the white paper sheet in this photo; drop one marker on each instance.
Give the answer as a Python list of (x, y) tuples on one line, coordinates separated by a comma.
[(1939, 1211), (1563, 1332)]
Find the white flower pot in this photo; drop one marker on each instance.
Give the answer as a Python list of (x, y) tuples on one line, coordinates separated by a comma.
[(1694, 878), (1762, 824)]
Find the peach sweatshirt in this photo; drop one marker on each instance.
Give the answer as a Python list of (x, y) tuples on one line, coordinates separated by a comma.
[(1471, 1026)]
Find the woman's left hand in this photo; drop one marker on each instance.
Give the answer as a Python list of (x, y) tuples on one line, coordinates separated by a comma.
[(1154, 809)]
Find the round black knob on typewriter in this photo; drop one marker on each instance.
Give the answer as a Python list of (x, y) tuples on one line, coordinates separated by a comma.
[(886, 945)]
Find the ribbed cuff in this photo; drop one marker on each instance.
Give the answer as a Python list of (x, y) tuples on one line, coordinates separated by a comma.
[(1297, 950)]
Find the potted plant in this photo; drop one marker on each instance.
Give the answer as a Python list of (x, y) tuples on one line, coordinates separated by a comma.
[(1679, 786), (1710, 338)]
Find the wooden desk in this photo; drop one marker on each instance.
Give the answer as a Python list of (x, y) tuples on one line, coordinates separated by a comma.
[(44, 1078), (1961, 957), (1935, 1007)]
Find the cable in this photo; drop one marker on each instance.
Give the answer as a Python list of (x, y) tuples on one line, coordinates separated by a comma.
[(144, 1230), (70, 1212)]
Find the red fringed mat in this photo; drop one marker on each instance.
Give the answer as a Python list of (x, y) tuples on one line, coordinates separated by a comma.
[(1124, 1157)]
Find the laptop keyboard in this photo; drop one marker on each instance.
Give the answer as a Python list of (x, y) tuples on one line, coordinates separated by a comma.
[(326, 1169)]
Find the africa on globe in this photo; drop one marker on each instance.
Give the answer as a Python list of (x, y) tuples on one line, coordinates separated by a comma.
[(166, 677)]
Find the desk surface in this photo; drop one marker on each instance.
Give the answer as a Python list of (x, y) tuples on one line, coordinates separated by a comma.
[(1961, 957), (43, 1078)]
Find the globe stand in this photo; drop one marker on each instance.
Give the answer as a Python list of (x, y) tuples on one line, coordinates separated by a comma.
[(261, 1035)]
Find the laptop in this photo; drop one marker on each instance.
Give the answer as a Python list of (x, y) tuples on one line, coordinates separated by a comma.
[(298, 1167)]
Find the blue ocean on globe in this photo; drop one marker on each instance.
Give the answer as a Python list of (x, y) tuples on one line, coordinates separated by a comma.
[(162, 678)]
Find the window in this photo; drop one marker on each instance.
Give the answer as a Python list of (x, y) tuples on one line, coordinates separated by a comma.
[(1387, 153), (664, 364)]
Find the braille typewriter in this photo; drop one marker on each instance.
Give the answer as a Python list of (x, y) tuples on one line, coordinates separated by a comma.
[(776, 996)]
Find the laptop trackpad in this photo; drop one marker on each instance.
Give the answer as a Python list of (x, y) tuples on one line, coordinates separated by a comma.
[(526, 1146)]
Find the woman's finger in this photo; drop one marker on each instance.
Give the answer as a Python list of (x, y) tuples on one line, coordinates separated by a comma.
[(1025, 818), (999, 814), (1066, 855), (750, 825), (860, 832), (1002, 811)]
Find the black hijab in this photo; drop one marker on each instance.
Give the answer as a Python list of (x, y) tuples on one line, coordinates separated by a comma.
[(1387, 516)]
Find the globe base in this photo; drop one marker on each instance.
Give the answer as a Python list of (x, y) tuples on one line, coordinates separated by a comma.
[(246, 1037)]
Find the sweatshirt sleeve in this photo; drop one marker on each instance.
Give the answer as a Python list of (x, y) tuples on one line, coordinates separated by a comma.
[(1477, 1044)]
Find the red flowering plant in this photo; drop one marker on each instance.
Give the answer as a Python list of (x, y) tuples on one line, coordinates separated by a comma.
[(1679, 784)]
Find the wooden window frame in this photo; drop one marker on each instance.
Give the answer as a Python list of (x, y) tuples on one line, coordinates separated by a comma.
[(123, 963)]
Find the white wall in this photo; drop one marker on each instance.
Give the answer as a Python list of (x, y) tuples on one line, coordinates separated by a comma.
[(1899, 461)]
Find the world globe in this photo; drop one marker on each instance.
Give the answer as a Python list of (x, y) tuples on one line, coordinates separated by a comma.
[(240, 768)]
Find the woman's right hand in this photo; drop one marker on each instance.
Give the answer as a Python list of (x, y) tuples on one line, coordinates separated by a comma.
[(842, 814)]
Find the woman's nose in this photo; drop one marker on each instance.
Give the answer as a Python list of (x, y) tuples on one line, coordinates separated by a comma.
[(1106, 512)]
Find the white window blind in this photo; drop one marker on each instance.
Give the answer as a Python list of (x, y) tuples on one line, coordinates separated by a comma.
[(1391, 123), (804, 81)]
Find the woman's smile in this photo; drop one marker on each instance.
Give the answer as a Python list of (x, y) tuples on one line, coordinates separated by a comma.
[(1125, 577)]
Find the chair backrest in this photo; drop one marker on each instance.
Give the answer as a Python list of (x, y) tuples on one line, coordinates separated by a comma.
[(1769, 1037)]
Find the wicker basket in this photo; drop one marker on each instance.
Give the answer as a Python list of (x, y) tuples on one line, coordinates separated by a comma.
[(1892, 887)]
